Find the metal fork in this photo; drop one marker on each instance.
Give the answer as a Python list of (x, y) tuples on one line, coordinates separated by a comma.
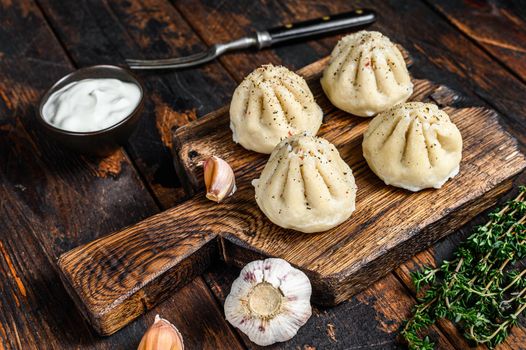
[(266, 38)]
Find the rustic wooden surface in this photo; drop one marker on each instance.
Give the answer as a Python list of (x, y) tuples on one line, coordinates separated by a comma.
[(51, 200), (114, 278)]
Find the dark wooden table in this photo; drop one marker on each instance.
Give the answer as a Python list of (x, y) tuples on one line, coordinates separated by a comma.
[(52, 200)]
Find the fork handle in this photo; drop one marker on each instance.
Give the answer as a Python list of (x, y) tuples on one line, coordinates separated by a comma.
[(316, 27)]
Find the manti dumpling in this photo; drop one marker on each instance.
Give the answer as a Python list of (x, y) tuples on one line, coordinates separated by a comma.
[(414, 146), (271, 104), (366, 74), (305, 185)]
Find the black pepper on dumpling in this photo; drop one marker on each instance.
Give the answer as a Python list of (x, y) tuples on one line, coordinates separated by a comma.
[(366, 74), (271, 104), (306, 186), (413, 145)]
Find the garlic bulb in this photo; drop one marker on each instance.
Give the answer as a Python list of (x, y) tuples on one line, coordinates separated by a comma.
[(162, 335), (220, 181), (269, 301)]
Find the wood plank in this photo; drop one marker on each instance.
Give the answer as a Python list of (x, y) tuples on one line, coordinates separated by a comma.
[(347, 259), (89, 45), (299, 57), (90, 50), (498, 26), (108, 32), (432, 257), (295, 56), (211, 136), (93, 47), (443, 250), (369, 320), (225, 21), (52, 200), (443, 44), (439, 52), (152, 272)]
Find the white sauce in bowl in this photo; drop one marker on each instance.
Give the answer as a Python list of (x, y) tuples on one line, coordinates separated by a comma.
[(91, 104)]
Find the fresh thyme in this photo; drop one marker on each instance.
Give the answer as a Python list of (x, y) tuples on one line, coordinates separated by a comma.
[(482, 289)]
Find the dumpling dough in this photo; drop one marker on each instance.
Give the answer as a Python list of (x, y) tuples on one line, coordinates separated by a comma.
[(271, 104), (413, 146), (306, 186), (366, 74)]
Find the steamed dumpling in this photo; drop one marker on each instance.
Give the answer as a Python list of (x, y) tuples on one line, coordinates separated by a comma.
[(271, 104), (413, 146), (366, 74), (306, 186)]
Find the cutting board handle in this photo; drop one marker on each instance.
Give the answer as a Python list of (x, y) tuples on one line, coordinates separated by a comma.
[(116, 278)]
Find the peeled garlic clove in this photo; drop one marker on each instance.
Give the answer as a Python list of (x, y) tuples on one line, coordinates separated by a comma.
[(162, 335), (269, 301), (219, 179)]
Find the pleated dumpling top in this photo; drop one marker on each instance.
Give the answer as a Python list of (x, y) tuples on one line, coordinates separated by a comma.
[(366, 74), (271, 104), (306, 186), (413, 145)]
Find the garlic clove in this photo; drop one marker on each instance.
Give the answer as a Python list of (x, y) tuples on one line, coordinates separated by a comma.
[(220, 181), (162, 335), (269, 301)]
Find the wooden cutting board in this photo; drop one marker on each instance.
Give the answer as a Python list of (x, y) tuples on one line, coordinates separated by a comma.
[(116, 278)]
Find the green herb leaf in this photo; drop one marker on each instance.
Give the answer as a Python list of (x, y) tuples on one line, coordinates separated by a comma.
[(479, 290)]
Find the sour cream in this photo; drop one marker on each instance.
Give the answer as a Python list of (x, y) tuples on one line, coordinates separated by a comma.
[(91, 104)]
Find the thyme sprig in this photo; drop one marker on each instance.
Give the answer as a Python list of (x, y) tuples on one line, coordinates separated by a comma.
[(482, 290)]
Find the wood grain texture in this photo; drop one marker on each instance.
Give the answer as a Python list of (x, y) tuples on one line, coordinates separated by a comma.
[(336, 256), (496, 25), (52, 200), (98, 32), (45, 317), (91, 35), (346, 260), (368, 320), (107, 32), (151, 272), (432, 257), (440, 52)]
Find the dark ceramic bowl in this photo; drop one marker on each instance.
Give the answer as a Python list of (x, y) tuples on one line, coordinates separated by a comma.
[(101, 142)]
